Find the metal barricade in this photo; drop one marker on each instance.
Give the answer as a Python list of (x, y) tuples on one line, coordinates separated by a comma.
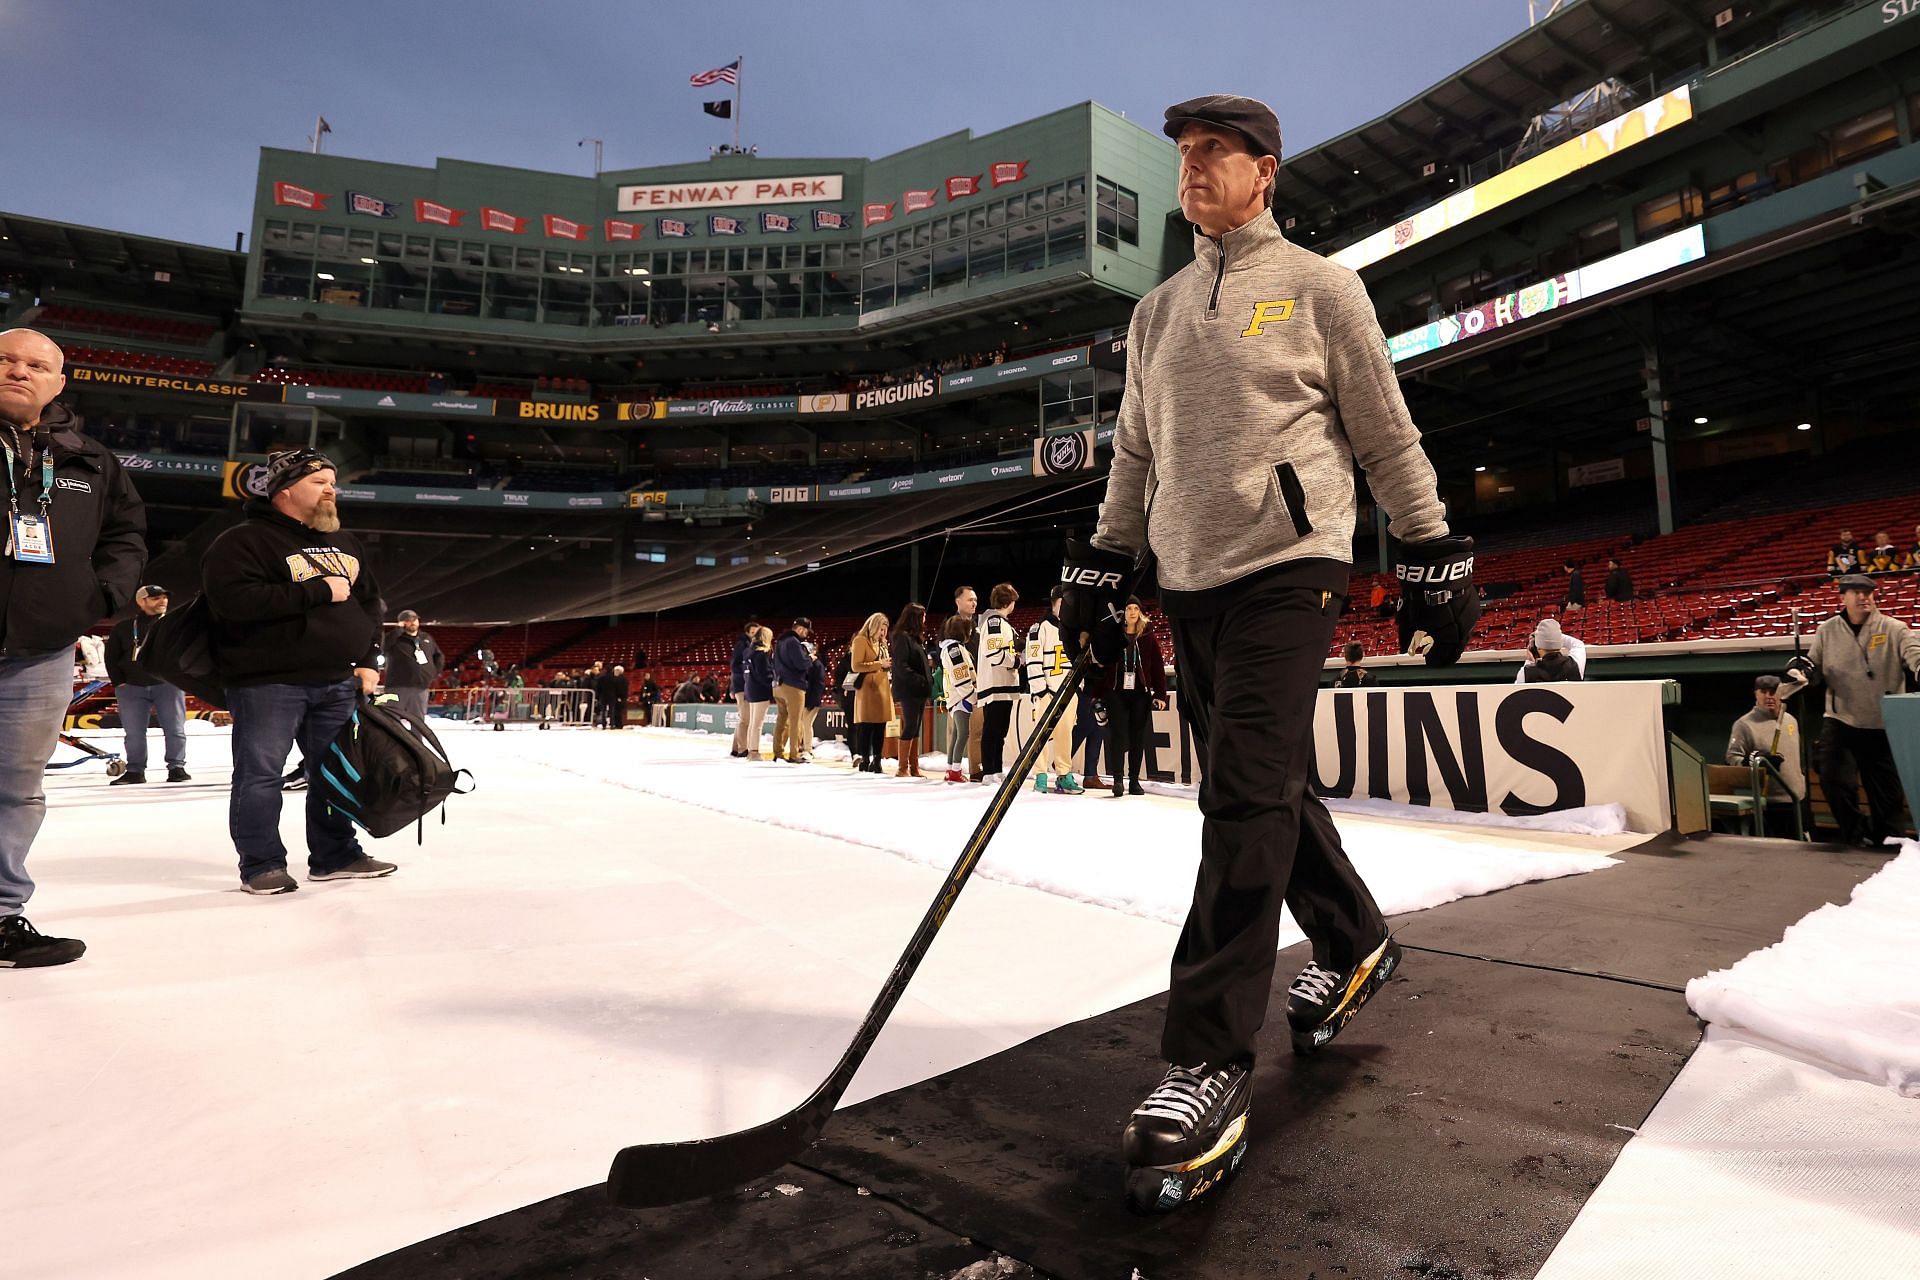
[(523, 708)]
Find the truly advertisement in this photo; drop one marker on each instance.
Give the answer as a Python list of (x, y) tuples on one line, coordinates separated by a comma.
[(134, 380), (1597, 144), (706, 195), (1537, 299), (1016, 370)]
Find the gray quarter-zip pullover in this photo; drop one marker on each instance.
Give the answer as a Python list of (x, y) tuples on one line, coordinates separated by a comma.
[(1859, 669)]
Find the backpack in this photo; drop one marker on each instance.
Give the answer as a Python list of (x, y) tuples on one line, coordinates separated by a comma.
[(384, 769), (178, 649)]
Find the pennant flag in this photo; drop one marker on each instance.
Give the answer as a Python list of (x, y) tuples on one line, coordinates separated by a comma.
[(1006, 171), (325, 128), (719, 224), (722, 108), (776, 222), (729, 74), (672, 228), (877, 213), (371, 206), (561, 229), (496, 220), (918, 200), (428, 211), (298, 197), (617, 230), (957, 187), (829, 220)]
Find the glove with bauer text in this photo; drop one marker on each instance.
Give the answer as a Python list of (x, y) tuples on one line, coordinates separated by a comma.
[(1800, 670), (1093, 605), (1438, 603)]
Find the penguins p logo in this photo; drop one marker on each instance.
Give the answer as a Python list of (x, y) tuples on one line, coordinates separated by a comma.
[(1266, 313)]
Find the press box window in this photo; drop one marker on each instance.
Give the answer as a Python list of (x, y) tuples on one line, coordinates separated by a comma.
[(1117, 216), (1668, 213)]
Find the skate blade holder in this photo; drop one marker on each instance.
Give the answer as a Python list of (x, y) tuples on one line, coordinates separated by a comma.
[(1164, 1188)]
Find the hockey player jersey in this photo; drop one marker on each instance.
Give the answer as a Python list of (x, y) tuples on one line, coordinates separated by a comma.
[(1046, 656), (997, 674), (956, 664)]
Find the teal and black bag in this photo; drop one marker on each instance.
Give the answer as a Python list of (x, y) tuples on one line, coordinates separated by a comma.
[(384, 770)]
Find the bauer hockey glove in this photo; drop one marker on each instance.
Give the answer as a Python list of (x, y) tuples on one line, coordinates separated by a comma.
[(1093, 604), (1438, 603)]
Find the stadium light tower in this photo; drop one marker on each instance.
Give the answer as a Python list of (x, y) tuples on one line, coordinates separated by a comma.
[(597, 144)]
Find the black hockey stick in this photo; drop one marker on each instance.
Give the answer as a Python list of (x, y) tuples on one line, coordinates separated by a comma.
[(670, 1172)]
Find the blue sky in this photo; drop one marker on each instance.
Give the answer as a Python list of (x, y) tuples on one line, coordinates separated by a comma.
[(148, 115)]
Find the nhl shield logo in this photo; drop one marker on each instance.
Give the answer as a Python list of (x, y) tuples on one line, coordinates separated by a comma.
[(1065, 454)]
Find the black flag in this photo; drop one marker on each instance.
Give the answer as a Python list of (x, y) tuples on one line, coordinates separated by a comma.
[(722, 108)]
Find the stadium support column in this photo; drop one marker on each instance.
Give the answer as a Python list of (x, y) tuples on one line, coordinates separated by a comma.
[(1657, 429), (1380, 537)]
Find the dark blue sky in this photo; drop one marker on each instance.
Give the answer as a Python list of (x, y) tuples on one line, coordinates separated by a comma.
[(147, 115)]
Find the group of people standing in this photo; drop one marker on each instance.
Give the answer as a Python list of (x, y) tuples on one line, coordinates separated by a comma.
[(789, 672)]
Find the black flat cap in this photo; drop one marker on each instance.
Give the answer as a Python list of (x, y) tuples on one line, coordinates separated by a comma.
[(1249, 117), (1856, 582)]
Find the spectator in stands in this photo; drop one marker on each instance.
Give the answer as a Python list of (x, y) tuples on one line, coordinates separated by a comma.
[(996, 674), (1355, 676), (1885, 557), (142, 696), (816, 694), (1576, 589), (1862, 655), (737, 685), (1770, 730), (413, 663), (1552, 655), (791, 659), (1843, 557), (1913, 552), (912, 685), (1134, 686), (1619, 585), (956, 666), (870, 659), (296, 639), (759, 689), (95, 549)]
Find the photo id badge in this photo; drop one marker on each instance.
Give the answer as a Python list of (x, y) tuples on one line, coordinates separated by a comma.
[(420, 656), (1127, 679), (32, 540)]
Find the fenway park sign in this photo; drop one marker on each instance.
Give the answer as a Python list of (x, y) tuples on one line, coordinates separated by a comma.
[(707, 195)]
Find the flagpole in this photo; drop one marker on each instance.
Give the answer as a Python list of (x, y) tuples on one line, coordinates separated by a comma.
[(739, 69), (317, 121)]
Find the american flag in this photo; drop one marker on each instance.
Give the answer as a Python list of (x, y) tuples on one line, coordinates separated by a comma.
[(729, 74)]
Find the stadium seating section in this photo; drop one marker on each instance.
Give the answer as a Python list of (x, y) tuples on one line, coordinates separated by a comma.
[(140, 361), (175, 330)]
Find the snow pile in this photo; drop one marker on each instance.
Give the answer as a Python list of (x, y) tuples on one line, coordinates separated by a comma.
[(1138, 855), (1839, 987)]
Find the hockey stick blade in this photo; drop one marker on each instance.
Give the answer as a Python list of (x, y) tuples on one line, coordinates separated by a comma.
[(655, 1174)]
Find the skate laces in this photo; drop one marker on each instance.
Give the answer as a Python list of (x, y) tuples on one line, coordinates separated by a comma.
[(1314, 983), (1184, 1095)]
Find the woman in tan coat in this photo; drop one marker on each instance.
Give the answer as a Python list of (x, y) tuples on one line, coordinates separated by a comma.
[(873, 696)]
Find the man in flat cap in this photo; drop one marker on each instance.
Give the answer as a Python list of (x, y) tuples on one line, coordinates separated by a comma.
[(1861, 655), (296, 640), (1256, 379)]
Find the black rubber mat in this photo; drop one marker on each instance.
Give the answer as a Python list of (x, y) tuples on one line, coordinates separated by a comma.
[(1453, 1131)]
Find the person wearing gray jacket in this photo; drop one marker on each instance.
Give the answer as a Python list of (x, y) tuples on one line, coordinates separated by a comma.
[(1257, 379), (1861, 655)]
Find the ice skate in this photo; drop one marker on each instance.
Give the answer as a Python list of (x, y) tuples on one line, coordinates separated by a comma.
[(1188, 1137), (1321, 1002)]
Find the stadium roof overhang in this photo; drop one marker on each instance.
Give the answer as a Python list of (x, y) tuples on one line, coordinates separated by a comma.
[(1488, 104), (106, 265)]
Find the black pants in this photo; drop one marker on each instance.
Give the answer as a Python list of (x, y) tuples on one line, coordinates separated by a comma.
[(1129, 725), (865, 741), (1848, 758), (993, 735), (1249, 681)]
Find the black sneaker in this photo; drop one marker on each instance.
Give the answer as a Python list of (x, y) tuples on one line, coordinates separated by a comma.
[(1322, 1001), (361, 868), (24, 947), (131, 778), (270, 882), (176, 774)]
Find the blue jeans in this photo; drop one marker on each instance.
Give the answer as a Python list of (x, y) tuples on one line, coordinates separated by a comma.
[(268, 719), (137, 701), (34, 693)]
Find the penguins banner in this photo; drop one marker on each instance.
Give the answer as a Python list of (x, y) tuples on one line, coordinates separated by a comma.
[(1063, 454)]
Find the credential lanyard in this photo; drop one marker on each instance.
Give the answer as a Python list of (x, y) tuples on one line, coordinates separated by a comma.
[(46, 479)]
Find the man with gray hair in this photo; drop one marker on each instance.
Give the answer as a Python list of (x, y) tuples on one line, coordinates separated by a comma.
[(74, 545), (1552, 656)]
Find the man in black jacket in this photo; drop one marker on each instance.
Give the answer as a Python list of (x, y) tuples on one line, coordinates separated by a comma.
[(73, 551), (142, 696), (296, 640), (414, 662)]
